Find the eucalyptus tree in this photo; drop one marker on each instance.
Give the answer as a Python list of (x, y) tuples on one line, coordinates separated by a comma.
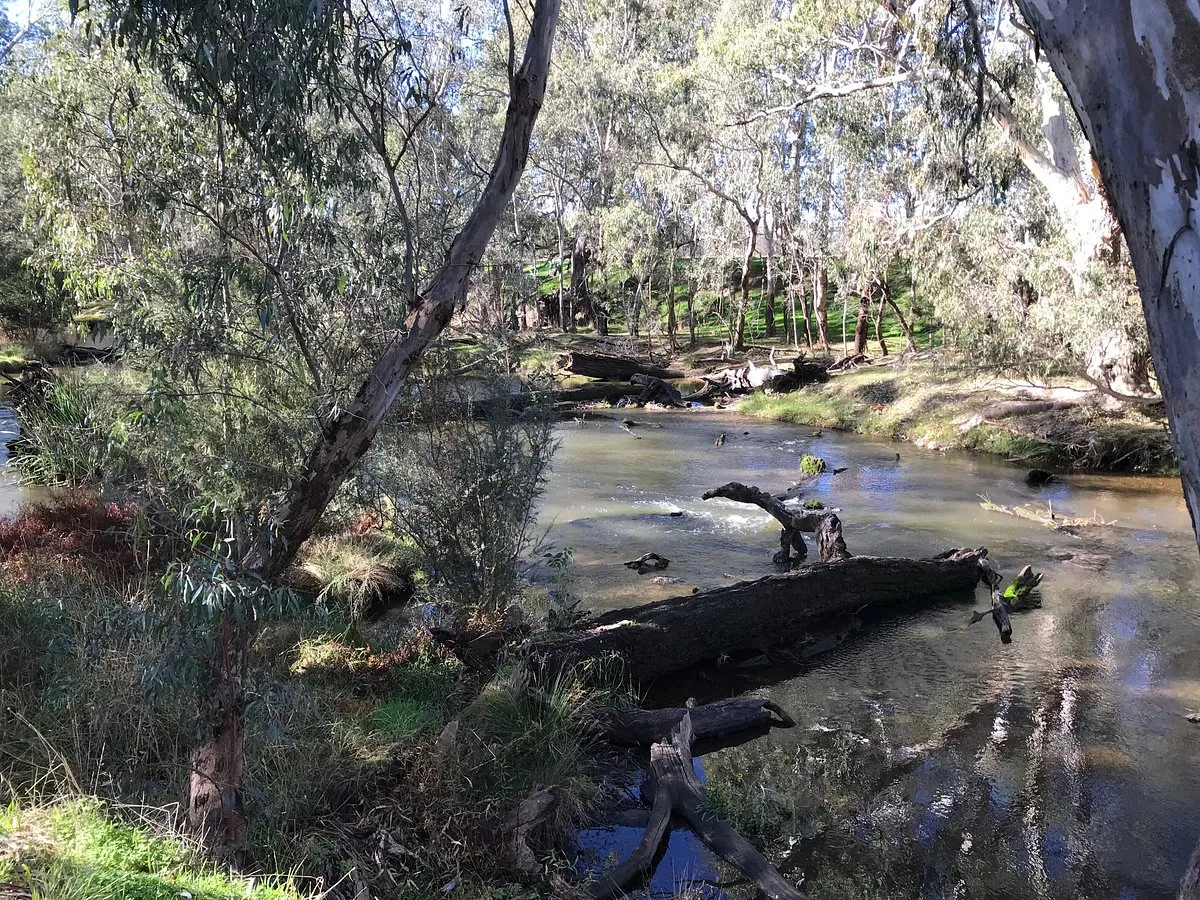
[(1131, 72), (285, 170)]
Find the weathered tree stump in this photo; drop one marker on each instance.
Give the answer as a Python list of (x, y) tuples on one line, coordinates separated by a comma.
[(655, 390)]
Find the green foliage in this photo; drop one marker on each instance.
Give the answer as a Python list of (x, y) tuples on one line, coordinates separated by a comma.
[(79, 430), (462, 480), (811, 465)]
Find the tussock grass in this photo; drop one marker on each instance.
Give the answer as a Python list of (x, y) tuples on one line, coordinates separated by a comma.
[(351, 572)]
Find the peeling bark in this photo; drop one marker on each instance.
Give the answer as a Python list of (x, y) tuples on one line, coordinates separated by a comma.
[(1132, 74)]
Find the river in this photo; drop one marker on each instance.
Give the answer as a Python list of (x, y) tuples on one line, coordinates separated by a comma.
[(10, 487), (930, 760)]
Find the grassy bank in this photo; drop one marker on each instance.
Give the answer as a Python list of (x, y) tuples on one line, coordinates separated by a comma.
[(931, 403), (348, 742)]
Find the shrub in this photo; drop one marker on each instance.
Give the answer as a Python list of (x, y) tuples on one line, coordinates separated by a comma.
[(73, 530), (460, 481), (811, 465)]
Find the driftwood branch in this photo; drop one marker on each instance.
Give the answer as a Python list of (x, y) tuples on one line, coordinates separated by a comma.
[(831, 546), (678, 791), (1018, 596)]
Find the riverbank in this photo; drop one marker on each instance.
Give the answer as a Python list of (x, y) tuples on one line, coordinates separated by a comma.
[(940, 405), (935, 399)]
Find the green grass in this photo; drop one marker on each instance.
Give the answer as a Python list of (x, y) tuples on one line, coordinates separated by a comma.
[(401, 718), (79, 850), (349, 572), (13, 357)]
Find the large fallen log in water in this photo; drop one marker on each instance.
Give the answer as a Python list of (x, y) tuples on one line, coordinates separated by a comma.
[(674, 634), (677, 791), (599, 365)]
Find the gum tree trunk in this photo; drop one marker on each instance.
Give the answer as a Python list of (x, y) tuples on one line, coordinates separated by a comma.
[(215, 802), (581, 299), (1132, 72), (739, 335), (820, 299), (860, 329)]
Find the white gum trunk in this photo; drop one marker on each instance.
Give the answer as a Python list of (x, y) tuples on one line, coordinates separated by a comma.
[(1132, 72)]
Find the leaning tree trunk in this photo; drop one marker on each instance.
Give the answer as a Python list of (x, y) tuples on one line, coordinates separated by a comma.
[(215, 802), (1132, 73)]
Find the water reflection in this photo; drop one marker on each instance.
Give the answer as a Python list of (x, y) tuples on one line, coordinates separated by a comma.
[(932, 761)]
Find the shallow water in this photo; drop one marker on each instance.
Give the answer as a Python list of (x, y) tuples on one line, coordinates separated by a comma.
[(1061, 765), (10, 489)]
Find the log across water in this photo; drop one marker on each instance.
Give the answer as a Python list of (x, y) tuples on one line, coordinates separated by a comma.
[(661, 638)]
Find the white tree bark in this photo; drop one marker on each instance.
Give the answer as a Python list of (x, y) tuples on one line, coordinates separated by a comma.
[(1132, 72)]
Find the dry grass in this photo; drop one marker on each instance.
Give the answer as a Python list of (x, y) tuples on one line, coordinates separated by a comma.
[(352, 572)]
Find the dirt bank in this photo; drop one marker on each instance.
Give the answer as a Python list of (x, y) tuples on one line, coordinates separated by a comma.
[(938, 404)]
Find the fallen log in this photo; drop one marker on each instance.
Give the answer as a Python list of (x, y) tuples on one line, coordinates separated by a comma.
[(1045, 516), (826, 525), (600, 390), (655, 390), (677, 791), (643, 727), (1006, 409), (600, 365), (671, 635)]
